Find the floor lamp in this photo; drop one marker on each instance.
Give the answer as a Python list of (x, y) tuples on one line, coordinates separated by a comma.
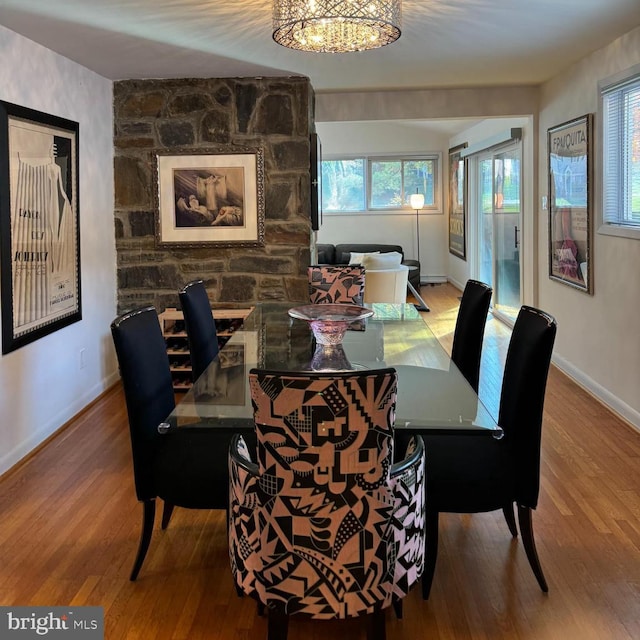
[(417, 202)]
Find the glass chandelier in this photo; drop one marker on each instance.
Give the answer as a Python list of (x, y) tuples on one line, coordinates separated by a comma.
[(336, 26)]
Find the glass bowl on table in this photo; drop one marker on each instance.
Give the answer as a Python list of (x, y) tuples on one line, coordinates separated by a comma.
[(329, 322)]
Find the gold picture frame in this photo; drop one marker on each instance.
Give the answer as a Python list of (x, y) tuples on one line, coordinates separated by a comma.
[(209, 196)]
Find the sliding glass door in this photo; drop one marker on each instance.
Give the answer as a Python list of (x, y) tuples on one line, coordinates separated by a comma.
[(499, 208)]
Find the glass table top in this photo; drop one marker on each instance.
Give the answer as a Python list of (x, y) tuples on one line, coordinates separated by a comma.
[(433, 396)]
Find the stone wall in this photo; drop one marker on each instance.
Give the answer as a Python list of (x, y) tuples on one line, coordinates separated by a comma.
[(275, 114)]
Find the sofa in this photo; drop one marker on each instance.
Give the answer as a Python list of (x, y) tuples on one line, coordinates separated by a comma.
[(341, 254)]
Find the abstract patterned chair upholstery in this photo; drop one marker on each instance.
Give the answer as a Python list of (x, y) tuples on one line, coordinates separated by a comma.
[(324, 525), (336, 285)]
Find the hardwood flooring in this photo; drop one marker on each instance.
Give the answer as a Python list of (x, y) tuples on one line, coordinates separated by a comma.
[(70, 523)]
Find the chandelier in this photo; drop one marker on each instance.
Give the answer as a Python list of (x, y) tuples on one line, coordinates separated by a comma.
[(336, 26)]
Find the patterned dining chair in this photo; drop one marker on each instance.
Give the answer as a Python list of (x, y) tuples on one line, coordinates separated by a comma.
[(323, 525), (336, 284)]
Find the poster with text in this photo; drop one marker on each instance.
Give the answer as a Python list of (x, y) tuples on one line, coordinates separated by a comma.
[(570, 202), (39, 225), (457, 195)]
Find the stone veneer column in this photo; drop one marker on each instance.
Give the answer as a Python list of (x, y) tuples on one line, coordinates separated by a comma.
[(275, 114)]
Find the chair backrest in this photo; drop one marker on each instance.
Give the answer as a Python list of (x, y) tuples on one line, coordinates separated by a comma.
[(336, 285), (387, 285), (468, 334), (326, 253), (522, 397), (200, 326), (325, 446), (148, 389)]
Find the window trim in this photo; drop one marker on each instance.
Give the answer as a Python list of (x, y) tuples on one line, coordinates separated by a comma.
[(630, 75), (435, 156)]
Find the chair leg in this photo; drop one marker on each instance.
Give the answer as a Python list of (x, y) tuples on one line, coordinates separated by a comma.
[(526, 529), (510, 517), (376, 629), (277, 625), (431, 551), (166, 514), (397, 607), (148, 516)]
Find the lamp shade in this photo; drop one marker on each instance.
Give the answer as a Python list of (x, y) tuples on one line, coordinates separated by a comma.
[(417, 200)]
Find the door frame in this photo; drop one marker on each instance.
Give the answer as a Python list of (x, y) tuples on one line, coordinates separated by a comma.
[(531, 215)]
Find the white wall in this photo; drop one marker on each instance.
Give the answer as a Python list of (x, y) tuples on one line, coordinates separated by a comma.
[(598, 340), (41, 384), (396, 227)]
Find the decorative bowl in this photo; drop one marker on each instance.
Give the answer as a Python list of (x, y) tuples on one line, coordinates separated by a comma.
[(329, 322)]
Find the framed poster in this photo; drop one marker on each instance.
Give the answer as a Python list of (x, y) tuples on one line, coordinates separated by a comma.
[(39, 225), (457, 198), (570, 207), (209, 197)]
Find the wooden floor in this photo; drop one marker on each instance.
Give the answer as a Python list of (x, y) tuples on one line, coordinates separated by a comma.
[(70, 522)]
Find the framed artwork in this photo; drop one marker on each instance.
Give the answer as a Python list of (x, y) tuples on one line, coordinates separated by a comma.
[(39, 225), (457, 198), (210, 197), (570, 206)]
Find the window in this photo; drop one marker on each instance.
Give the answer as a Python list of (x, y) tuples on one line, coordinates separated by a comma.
[(343, 185), (621, 156), (381, 183)]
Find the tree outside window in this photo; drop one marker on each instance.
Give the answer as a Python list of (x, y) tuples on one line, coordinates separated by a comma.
[(388, 183)]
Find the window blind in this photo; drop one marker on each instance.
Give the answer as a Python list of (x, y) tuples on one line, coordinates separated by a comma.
[(621, 153)]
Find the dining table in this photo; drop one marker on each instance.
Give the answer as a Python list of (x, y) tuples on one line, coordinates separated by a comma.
[(433, 396)]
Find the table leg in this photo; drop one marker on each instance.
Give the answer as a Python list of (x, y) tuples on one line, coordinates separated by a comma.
[(422, 306)]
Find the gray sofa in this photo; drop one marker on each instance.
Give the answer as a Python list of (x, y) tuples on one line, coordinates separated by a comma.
[(341, 253)]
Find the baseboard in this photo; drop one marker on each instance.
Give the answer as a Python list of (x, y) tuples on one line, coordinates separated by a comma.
[(456, 284), (432, 280), (620, 408), (56, 423)]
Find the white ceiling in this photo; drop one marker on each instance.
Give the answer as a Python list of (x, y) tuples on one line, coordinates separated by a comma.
[(444, 43)]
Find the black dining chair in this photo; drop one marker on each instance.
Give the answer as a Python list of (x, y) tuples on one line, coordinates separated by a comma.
[(481, 474), (186, 466), (200, 326), (469, 331)]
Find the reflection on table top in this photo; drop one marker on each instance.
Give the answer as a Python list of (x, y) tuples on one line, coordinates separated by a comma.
[(433, 396)]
